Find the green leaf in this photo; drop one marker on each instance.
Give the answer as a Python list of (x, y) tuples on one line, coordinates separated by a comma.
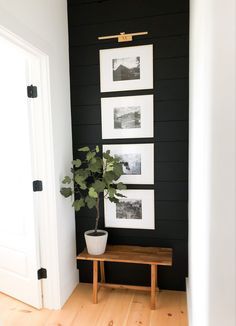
[(66, 180), (113, 200), (97, 149), (78, 204), (93, 160), (80, 181), (120, 195), (109, 167), (121, 186), (90, 155), (96, 167), (84, 149), (91, 202), (93, 193), (118, 170), (83, 185), (66, 192), (79, 178), (84, 173), (77, 163), (99, 186), (106, 155), (109, 177), (111, 192)]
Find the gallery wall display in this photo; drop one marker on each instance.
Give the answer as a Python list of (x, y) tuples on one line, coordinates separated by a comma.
[(169, 34), (127, 117), (135, 211), (138, 162), (128, 68)]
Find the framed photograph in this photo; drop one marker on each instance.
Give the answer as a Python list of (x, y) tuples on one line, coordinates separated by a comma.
[(128, 68), (135, 211), (138, 162), (127, 117)]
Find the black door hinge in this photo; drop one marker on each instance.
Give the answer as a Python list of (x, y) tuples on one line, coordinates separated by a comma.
[(37, 185), (42, 273), (32, 91)]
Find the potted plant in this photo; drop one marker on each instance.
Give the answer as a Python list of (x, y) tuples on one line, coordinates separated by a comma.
[(91, 176)]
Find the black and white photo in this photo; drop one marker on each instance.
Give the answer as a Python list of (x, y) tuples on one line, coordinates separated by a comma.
[(126, 68), (131, 163), (129, 209), (134, 211), (138, 162), (127, 117)]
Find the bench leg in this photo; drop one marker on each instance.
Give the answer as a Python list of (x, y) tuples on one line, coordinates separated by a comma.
[(153, 286), (102, 271), (95, 281)]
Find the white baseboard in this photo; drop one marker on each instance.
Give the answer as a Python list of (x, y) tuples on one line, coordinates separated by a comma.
[(188, 302)]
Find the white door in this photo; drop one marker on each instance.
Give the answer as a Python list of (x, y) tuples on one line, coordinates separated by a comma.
[(19, 238)]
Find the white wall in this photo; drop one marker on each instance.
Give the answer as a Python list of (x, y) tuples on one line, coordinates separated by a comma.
[(43, 23), (212, 159)]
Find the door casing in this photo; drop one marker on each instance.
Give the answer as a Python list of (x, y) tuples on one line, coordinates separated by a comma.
[(47, 223)]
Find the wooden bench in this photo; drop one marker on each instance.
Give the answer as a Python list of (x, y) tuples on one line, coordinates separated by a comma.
[(129, 254)]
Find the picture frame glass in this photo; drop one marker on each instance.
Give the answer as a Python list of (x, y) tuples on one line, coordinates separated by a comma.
[(127, 117), (135, 211), (138, 167), (126, 68)]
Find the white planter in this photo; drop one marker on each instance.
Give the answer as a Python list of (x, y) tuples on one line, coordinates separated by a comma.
[(96, 245)]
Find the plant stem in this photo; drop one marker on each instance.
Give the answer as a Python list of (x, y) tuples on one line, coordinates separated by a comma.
[(98, 215)]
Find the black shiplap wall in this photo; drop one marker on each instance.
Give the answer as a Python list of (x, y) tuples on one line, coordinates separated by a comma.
[(167, 24)]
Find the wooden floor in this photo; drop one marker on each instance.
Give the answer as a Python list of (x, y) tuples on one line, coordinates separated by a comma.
[(115, 308)]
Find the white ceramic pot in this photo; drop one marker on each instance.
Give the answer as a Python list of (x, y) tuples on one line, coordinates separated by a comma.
[(96, 245)]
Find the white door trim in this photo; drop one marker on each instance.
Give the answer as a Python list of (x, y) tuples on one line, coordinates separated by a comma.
[(48, 217)]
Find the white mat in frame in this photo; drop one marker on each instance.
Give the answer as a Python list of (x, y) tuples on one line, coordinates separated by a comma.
[(126, 68), (139, 159), (127, 117), (136, 211)]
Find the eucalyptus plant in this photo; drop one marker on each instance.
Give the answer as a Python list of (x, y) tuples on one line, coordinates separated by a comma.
[(92, 174)]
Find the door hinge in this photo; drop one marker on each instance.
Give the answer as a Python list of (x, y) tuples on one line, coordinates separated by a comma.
[(42, 273), (32, 91), (37, 185)]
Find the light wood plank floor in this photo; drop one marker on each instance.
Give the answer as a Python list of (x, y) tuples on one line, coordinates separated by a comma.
[(115, 308)]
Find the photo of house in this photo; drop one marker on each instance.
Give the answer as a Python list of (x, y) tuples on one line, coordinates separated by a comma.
[(126, 69)]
